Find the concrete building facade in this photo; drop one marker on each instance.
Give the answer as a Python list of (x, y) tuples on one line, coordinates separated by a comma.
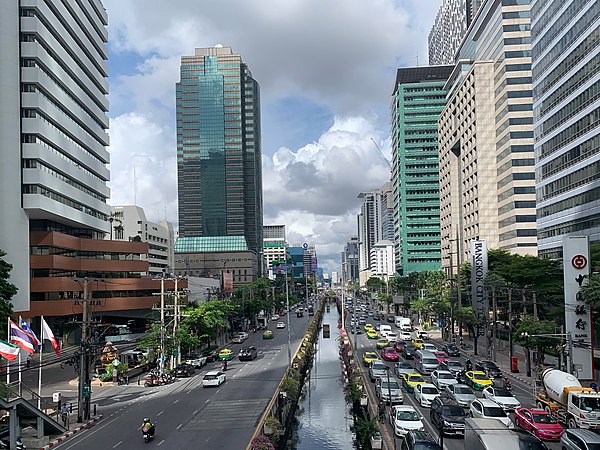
[(566, 87), (382, 260), (418, 98), (274, 244), (350, 259)]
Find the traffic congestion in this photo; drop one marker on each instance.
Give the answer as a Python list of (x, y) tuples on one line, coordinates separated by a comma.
[(423, 385)]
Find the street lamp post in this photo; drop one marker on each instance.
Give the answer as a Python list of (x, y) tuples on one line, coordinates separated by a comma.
[(528, 356), (287, 307)]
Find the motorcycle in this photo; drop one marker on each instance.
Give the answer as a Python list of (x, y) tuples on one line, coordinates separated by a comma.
[(507, 384), (224, 366), (6, 444), (148, 434), (152, 380)]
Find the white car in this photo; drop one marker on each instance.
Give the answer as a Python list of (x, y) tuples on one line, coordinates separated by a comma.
[(442, 378), (423, 335), (275, 317), (196, 361), (280, 325), (502, 397), (404, 419), (406, 336), (213, 378), (482, 408), (391, 336), (425, 393), (430, 347)]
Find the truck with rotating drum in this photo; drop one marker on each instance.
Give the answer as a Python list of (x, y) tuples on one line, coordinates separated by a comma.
[(564, 397)]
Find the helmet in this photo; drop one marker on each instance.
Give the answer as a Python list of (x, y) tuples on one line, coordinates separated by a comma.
[(146, 419)]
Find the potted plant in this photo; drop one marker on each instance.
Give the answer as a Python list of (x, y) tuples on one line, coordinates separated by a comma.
[(271, 425), (376, 441)]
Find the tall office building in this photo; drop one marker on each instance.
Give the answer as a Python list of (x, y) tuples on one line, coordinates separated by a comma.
[(487, 180), (350, 259), (274, 244), (418, 98), (450, 27), (219, 169), (566, 89)]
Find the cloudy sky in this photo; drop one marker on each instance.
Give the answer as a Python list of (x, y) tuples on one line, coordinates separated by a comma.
[(326, 71)]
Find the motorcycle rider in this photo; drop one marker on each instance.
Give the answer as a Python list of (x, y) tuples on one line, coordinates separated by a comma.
[(148, 427), (224, 366), (469, 365), (507, 384)]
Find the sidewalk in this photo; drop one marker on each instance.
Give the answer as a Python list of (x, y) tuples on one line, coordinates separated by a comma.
[(73, 429)]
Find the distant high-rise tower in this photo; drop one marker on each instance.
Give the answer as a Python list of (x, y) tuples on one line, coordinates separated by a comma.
[(566, 114), (219, 169), (419, 97), (350, 259)]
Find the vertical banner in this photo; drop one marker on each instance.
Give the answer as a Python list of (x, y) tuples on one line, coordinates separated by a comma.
[(228, 282), (578, 317), (479, 268)]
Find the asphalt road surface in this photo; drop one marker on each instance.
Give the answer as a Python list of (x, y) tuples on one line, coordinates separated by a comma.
[(189, 416)]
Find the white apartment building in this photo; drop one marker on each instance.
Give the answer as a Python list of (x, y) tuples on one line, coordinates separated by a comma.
[(129, 223), (274, 245), (382, 260)]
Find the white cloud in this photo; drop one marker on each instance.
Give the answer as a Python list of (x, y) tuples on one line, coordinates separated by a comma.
[(341, 54)]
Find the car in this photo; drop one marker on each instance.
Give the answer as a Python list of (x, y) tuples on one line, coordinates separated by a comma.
[(578, 439), (390, 319), (369, 357), (267, 334), (402, 367), (452, 366), (425, 393), (409, 352), (196, 360), (482, 408), (502, 397), (448, 416), (211, 355), (429, 347), (419, 440), (477, 380), (356, 330), (418, 343), (184, 370), (384, 388), (442, 378), (490, 368), (405, 418), (248, 353), (441, 356), (225, 355), (389, 354), (243, 335), (423, 335), (461, 394), (411, 380), (540, 423), (405, 336), (399, 346), (382, 343), (362, 321), (451, 349), (391, 336), (376, 317), (213, 378), (369, 326), (238, 338), (280, 325), (274, 318), (372, 334), (377, 369)]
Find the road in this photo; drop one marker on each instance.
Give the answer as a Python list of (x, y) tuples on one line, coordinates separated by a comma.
[(189, 416), (521, 391)]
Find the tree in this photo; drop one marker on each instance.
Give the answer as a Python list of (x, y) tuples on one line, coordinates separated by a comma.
[(591, 291), (529, 333), (7, 291)]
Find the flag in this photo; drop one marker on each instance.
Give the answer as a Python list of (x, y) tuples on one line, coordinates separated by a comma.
[(19, 337), (35, 341), (8, 351), (48, 334)]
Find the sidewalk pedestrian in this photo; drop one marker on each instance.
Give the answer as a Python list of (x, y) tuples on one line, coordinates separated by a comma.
[(381, 411)]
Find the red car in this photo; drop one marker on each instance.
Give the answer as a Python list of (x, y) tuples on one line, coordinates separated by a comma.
[(540, 423), (389, 354), (441, 356)]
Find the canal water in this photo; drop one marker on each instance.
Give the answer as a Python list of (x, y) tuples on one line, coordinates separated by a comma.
[(324, 418)]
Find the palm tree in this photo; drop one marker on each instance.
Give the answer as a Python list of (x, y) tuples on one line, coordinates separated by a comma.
[(591, 291)]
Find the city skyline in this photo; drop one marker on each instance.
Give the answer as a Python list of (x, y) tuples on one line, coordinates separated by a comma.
[(320, 114)]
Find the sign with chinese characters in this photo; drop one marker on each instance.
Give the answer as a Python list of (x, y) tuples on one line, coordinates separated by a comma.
[(479, 268), (578, 320)]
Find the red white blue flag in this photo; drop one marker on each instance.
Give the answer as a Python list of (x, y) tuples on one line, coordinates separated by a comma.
[(19, 337), (36, 342)]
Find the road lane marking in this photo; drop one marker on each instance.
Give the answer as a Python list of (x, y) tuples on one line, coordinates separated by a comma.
[(196, 412), (175, 401), (160, 443), (159, 413), (179, 426), (117, 444)]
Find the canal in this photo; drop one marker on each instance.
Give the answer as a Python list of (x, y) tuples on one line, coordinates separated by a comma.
[(324, 420)]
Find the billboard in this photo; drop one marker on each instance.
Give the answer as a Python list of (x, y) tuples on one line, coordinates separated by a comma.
[(578, 317), (228, 282), (479, 268)]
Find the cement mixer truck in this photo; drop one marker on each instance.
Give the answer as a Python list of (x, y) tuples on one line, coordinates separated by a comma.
[(564, 397)]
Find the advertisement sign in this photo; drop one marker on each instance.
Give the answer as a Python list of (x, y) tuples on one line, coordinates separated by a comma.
[(479, 268), (578, 317), (228, 281)]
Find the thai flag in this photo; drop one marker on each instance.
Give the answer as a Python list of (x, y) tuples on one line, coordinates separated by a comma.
[(19, 337), (36, 342)]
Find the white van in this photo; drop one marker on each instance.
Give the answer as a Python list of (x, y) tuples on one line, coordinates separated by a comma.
[(384, 330), (403, 323), (425, 361)]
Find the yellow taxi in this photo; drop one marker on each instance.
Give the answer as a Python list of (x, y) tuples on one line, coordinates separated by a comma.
[(383, 343), (369, 326), (418, 343), (411, 380), (225, 355), (477, 380), (372, 334), (369, 357)]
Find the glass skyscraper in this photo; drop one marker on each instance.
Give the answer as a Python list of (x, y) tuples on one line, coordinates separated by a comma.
[(218, 147)]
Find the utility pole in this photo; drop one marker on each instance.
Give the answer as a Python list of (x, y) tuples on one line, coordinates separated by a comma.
[(459, 294), (287, 306), (571, 365), (162, 324), (510, 336), (495, 324), (535, 309), (84, 388)]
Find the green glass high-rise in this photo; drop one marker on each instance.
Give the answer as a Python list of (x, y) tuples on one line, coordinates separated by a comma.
[(219, 171), (418, 99)]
